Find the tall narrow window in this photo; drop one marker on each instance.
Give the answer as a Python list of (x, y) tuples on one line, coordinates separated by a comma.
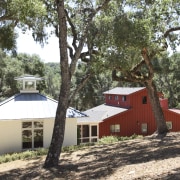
[(32, 135), (144, 127), (123, 98), (116, 98), (110, 97), (144, 100)]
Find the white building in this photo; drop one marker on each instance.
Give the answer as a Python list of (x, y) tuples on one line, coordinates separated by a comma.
[(27, 119)]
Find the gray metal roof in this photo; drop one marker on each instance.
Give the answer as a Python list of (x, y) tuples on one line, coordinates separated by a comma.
[(32, 106), (100, 113), (123, 90)]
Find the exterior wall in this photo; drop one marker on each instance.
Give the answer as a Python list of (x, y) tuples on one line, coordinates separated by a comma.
[(48, 129), (174, 118), (70, 137), (10, 136), (117, 102), (130, 123), (164, 103)]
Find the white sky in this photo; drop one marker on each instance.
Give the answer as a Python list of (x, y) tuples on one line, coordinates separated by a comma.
[(48, 53)]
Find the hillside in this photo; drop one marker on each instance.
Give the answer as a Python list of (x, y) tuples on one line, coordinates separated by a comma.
[(148, 158)]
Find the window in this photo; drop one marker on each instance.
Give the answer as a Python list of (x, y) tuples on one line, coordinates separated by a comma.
[(144, 127), (169, 124), (116, 98), (110, 97), (29, 85), (144, 100), (32, 134), (123, 98), (115, 128)]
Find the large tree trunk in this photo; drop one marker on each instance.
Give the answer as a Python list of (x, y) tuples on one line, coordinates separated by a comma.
[(156, 107), (52, 158)]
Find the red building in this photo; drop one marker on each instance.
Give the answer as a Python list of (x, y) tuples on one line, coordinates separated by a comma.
[(126, 111)]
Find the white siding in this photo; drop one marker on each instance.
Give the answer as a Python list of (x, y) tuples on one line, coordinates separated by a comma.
[(70, 137), (48, 129), (10, 136)]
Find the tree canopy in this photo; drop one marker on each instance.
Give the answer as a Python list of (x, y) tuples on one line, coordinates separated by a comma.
[(24, 15)]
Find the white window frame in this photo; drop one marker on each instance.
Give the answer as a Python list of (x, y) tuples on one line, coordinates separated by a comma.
[(32, 129)]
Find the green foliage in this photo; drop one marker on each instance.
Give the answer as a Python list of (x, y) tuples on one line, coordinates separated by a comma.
[(108, 140), (23, 155), (12, 67), (7, 37), (131, 32), (114, 139), (24, 15), (52, 79), (26, 11), (168, 77)]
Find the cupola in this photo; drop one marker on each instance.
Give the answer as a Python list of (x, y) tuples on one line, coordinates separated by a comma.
[(29, 83)]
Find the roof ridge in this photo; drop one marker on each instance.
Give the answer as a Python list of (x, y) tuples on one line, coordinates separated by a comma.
[(9, 99)]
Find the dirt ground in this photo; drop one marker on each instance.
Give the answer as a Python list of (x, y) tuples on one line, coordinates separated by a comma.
[(147, 158)]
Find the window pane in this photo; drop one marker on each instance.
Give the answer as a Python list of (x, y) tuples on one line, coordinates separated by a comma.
[(27, 125), (26, 139), (112, 128), (29, 85), (144, 128), (144, 100), (123, 98), (169, 124), (116, 97), (85, 130), (38, 124), (38, 138), (94, 130), (117, 128)]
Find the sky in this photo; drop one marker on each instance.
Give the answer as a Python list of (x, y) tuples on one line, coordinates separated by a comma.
[(48, 53)]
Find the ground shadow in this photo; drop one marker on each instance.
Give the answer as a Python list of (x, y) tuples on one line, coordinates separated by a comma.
[(101, 161)]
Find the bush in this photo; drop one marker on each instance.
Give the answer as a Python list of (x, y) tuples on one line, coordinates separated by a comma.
[(108, 139)]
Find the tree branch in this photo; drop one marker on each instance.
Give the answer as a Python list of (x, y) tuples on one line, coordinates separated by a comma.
[(73, 30), (171, 30), (147, 60), (81, 85), (84, 36)]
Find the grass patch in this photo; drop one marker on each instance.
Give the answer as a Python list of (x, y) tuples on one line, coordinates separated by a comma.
[(23, 155), (30, 154)]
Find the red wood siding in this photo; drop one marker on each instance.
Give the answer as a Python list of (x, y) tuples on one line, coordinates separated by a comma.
[(164, 103), (118, 102), (130, 121), (174, 118)]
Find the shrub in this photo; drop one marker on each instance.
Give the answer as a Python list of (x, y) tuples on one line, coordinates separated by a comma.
[(108, 139)]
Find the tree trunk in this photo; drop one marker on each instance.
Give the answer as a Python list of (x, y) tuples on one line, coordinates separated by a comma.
[(156, 107), (52, 158)]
